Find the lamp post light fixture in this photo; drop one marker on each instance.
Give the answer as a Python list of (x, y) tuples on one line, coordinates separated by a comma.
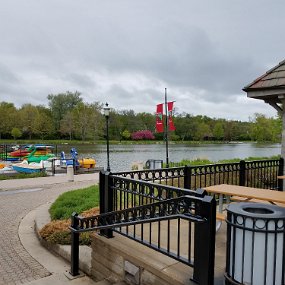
[(107, 115)]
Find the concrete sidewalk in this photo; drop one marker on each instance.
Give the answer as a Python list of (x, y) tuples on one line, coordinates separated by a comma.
[(13, 184), (57, 266), (25, 261)]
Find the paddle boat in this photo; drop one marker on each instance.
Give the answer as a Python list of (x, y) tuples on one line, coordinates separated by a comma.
[(22, 151), (2, 165), (64, 161), (82, 162), (25, 167), (87, 163), (7, 170), (40, 152)]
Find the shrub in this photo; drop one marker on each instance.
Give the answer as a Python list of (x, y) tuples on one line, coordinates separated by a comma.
[(57, 232), (143, 135)]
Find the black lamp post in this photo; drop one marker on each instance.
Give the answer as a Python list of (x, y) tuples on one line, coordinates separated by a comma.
[(107, 114)]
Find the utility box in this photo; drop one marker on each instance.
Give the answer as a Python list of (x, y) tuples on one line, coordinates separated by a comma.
[(255, 244)]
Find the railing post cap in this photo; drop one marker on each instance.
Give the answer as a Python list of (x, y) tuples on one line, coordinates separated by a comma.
[(201, 192)]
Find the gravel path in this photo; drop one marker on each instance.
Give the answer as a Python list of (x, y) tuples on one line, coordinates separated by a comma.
[(16, 265)]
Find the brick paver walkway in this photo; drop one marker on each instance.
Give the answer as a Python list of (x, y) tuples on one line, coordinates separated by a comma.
[(16, 265)]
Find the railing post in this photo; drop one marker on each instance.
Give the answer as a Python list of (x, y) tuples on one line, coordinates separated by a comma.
[(106, 199), (280, 173), (242, 173), (204, 242), (74, 270), (187, 177), (6, 152), (102, 191)]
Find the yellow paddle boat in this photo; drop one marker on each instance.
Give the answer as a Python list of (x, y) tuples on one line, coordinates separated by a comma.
[(87, 162), (2, 165)]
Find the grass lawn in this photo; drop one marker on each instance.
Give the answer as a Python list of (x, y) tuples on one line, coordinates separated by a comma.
[(74, 201)]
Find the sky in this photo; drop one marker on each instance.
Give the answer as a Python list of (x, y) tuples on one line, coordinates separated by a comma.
[(126, 52)]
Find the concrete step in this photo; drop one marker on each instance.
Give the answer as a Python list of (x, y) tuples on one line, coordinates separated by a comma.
[(103, 282), (107, 282)]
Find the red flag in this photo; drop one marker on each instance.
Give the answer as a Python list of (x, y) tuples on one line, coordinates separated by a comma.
[(159, 118), (171, 126)]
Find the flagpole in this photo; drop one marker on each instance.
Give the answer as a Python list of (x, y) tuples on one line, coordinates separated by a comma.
[(166, 129)]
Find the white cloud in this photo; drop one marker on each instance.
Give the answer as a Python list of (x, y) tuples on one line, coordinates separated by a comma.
[(126, 52)]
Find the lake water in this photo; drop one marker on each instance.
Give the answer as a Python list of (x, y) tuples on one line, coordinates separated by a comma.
[(122, 156)]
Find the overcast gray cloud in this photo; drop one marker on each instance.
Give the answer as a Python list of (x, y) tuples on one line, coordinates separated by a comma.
[(126, 52)]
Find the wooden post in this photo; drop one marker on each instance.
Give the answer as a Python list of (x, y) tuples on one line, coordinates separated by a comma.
[(283, 133)]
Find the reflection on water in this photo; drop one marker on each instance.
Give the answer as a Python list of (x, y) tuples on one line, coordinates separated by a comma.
[(122, 156)]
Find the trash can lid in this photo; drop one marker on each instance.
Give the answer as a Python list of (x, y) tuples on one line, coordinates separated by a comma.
[(256, 210)]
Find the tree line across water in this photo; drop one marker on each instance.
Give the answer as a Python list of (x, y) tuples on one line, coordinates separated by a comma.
[(69, 117)]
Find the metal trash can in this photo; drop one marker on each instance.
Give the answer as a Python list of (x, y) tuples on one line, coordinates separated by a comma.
[(154, 163), (255, 244)]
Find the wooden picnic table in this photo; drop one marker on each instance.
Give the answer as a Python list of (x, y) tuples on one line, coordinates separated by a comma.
[(272, 196)]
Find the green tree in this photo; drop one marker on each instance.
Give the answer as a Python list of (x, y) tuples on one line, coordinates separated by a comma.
[(16, 133), (61, 103), (116, 125), (264, 129), (229, 130), (42, 126), (203, 131), (96, 120), (8, 118), (67, 124), (81, 115), (27, 116), (88, 120), (146, 121), (218, 131), (185, 128), (126, 135)]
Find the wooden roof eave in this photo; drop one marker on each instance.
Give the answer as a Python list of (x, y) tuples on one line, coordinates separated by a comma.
[(265, 93), (271, 96)]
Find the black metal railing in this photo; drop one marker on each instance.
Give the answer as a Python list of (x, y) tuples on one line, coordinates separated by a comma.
[(5, 149), (263, 174), (191, 242), (137, 204), (258, 174), (170, 176)]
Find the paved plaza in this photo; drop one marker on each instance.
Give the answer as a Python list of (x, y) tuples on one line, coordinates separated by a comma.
[(17, 199)]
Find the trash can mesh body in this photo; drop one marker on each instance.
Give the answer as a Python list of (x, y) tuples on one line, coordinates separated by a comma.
[(255, 244), (154, 163)]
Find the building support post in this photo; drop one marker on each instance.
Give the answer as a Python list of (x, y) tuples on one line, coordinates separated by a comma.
[(283, 133)]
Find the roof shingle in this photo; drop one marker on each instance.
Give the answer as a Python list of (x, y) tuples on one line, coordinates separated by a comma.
[(273, 78)]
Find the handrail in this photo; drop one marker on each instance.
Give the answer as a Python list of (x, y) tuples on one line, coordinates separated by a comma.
[(168, 209), (199, 210)]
